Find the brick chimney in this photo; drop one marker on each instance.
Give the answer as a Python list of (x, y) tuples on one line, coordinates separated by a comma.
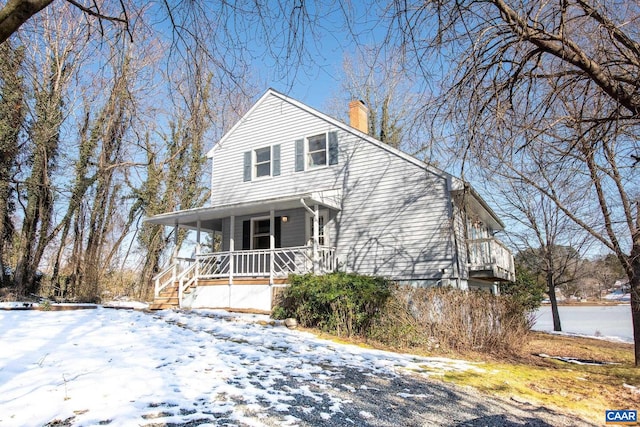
[(358, 116)]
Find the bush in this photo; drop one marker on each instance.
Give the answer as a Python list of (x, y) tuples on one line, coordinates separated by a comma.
[(451, 319), (526, 290), (338, 303), (405, 317)]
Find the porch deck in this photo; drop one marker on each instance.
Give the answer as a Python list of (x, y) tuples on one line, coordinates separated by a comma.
[(490, 259), (174, 286)]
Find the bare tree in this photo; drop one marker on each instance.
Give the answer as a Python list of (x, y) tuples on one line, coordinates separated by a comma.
[(12, 115), (394, 100), (49, 75), (14, 13), (175, 174), (549, 243), (549, 92)]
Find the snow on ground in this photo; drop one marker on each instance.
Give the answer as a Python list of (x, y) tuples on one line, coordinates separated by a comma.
[(123, 368), (612, 322), (618, 295)]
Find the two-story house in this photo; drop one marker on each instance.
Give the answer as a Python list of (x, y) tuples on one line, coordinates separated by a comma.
[(295, 191)]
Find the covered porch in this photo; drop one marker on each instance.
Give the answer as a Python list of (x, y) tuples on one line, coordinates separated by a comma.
[(260, 244)]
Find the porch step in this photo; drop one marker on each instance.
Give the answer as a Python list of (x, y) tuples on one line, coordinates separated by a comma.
[(162, 303), (168, 298), (158, 306)]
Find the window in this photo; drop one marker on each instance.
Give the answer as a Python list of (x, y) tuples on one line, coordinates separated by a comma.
[(320, 230), (261, 234), (317, 150), (323, 237), (263, 162)]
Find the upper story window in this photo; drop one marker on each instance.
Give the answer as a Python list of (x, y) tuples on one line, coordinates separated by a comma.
[(316, 151), (262, 162)]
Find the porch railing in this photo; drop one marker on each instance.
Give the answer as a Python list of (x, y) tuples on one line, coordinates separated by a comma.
[(265, 263), (491, 254), (276, 263)]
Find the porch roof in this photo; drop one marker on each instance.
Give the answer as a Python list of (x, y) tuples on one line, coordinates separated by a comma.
[(210, 216)]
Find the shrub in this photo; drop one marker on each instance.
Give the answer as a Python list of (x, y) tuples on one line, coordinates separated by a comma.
[(339, 303), (405, 317), (451, 319), (526, 289)]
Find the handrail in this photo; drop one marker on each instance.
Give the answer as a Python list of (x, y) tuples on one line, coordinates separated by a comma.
[(176, 269), (187, 277), (160, 284)]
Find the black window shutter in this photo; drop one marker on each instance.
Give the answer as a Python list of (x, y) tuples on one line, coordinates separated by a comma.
[(247, 166), (278, 231), (299, 155), (275, 158), (246, 235), (333, 148)]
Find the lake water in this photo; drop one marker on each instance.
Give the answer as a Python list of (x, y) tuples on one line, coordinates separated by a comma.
[(605, 321)]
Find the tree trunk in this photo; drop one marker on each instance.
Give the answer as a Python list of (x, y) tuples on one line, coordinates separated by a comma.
[(16, 12), (554, 308), (633, 272), (12, 114), (635, 318)]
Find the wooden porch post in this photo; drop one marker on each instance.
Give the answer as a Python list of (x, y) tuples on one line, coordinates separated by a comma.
[(198, 250), (272, 243), (196, 255), (174, 254), (316, 238), (232, 244)]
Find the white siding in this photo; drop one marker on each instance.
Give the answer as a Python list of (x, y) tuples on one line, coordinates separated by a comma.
[(395, 215), (275, 122)]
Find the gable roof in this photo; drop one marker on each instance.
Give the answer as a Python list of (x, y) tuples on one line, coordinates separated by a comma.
[(334, 122), (454, 183)]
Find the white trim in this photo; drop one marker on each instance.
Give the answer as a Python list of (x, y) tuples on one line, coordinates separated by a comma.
[(329, 198), (242, 119)]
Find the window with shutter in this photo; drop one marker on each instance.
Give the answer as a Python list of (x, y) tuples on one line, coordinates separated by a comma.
[(316, 151), (262, 162)]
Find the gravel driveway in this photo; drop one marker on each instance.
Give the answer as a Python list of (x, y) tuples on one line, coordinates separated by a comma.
[(345, 395), (205, 368)]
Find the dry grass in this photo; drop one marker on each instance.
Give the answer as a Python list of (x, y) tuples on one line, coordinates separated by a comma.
[(584, 390)]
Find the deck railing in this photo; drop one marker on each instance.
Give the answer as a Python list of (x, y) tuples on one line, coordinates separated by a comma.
[(491, 254), (264, 263), (276, 263)]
